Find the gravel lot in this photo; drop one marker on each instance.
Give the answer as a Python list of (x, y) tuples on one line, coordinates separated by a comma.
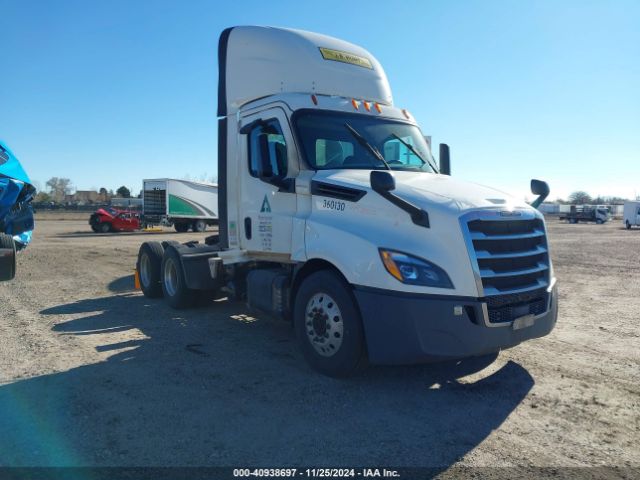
[(92, 373)]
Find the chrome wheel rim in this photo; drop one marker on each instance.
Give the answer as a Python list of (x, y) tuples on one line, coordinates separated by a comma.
[(324, 324), (145, 270), (170, 277)]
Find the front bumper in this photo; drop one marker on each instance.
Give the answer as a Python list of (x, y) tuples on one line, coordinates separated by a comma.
[(407, 328)]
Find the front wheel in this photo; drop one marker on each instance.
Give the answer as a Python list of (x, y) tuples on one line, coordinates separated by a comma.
[(7, 257), (628, 225), (599, 221), (104, 227), (181, 227), (328, 325)]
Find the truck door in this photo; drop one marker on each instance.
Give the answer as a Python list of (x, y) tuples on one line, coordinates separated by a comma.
[(637, 209), (267, 170)]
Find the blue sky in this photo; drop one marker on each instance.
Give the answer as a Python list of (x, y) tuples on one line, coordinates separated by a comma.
[(110, 92)]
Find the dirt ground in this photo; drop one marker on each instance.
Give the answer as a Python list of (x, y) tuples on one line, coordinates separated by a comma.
[(92, 373)]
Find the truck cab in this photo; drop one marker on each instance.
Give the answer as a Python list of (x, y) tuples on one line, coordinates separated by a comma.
[(335, 215)]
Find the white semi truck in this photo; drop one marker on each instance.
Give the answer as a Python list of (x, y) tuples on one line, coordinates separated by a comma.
[(334, 215), (181, 203)]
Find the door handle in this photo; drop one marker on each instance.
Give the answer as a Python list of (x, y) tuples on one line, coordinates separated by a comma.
[(247, 227)]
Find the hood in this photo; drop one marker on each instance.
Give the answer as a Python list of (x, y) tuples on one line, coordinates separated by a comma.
[(429, 188), (10, 166)]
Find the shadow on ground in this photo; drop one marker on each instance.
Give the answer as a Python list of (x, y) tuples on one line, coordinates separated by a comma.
[(219, 386), (122, 284)]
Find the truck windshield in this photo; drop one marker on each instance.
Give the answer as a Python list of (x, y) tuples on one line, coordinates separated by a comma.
[(327, 144)]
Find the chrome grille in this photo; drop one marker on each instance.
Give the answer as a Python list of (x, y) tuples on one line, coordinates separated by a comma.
[(510, 256)]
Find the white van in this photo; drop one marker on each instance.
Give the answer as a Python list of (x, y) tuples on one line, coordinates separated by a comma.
[(631, 214)]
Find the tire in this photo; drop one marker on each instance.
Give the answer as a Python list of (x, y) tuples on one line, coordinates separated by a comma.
[(149, 266), (324, 306), (94, 228), (599, 222), (104, 227), (7, 258), (628, 225), (199, 226), (181, 227), (174, 287), (573, 220)]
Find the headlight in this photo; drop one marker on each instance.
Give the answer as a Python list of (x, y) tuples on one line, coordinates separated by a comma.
[(414, 271)]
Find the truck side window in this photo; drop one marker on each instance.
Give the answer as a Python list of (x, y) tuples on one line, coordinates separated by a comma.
[(277, 148)]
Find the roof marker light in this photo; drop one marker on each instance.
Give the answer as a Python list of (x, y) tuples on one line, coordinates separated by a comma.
[(367, 106), (378, 107), (314, 99), (406, 114), (355, 103)]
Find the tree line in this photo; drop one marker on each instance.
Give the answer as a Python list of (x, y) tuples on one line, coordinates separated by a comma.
[(57, 190), (580, 197)]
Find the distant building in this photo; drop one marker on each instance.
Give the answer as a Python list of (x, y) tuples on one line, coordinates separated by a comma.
[(83, 197)]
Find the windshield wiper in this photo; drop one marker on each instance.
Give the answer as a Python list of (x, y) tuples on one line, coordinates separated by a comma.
[(362, 141), (415, 152)]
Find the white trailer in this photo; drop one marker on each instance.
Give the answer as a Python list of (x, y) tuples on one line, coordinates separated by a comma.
[(334, 215), (631, 214), (181, 203)]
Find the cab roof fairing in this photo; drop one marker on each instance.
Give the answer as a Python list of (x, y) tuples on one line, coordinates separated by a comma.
[(257, 62)]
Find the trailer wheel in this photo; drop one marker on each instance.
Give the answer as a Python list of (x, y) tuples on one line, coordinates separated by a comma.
[(328, 325), (7, 257), (149, 265), (181, 227), (628, 225), (199, 226), (104, 227), (174, 287)]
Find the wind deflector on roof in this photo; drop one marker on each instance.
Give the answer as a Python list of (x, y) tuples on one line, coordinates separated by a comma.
[(257, 62), (223, 43)]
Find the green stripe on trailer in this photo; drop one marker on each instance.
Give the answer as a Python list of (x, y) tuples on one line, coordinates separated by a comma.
[(181, 206)]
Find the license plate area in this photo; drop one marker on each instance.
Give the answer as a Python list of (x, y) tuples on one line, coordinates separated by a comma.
[(523, 322)]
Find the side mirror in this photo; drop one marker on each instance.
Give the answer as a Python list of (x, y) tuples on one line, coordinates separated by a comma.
[(265, 170), (540, 188), (382, 181), (445, 162)]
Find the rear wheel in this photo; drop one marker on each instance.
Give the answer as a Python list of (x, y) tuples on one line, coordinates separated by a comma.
[(149, 267), (7, 257), (174, 287), (181, 227), (199, 226), (328, 325)]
